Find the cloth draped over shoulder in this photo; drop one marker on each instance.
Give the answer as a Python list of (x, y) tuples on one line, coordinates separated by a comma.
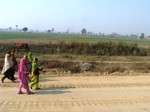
[(8, 63), (35, 66), (22, 69), (30, 57)]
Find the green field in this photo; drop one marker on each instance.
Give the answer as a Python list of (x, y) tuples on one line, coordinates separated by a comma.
[(49, 57), (76, 38)]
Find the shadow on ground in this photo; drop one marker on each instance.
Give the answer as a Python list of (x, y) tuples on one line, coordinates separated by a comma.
[(53, 91)]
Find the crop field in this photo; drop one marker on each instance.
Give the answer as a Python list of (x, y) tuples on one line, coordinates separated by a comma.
[(72, 38)]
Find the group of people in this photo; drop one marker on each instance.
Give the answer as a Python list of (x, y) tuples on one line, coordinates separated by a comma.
[(28, 71)]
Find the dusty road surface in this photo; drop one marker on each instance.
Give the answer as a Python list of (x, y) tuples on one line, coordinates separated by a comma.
[(80, 94)]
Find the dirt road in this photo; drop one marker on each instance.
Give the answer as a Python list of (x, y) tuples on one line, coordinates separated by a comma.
[(80, 94)]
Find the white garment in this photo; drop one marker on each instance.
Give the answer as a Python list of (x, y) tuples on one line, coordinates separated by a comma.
[(8, 63)]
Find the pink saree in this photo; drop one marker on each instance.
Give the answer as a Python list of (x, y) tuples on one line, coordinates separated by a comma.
[(22, 76)]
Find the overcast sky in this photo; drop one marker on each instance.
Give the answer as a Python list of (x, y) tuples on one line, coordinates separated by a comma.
[(121, 16)]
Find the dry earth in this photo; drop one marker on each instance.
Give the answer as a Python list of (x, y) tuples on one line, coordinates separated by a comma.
[(80, 93)]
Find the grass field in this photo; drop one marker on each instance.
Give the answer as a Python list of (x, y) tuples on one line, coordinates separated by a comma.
[(73, 38), (102, 63)]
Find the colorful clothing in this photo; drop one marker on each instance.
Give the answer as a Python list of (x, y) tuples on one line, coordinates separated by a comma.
[(35, 75), (30, 57), (23, 76), (30, 60)]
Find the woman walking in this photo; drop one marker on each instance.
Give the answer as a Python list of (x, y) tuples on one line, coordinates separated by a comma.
[(35, 74), (8, 68), (23, 72)]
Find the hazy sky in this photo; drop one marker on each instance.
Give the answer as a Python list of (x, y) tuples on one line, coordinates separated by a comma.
[(121, 16)]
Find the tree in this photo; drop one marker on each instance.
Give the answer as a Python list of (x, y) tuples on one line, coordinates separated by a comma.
[(49, 31), (142, 35), (25, 29), (83, 31)]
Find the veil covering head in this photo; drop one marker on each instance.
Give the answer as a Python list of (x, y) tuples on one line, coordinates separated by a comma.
[(7, 63), (23, 66)]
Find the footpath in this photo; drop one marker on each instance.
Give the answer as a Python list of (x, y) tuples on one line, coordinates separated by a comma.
[(79, 94)]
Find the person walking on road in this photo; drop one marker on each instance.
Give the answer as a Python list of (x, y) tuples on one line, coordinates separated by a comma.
[(23, 72), (8, 68), (35, 74)]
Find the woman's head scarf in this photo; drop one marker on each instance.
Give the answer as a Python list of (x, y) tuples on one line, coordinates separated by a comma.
[(7, 63)]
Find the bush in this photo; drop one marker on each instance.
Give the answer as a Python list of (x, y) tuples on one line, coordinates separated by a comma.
[(100, 48)]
